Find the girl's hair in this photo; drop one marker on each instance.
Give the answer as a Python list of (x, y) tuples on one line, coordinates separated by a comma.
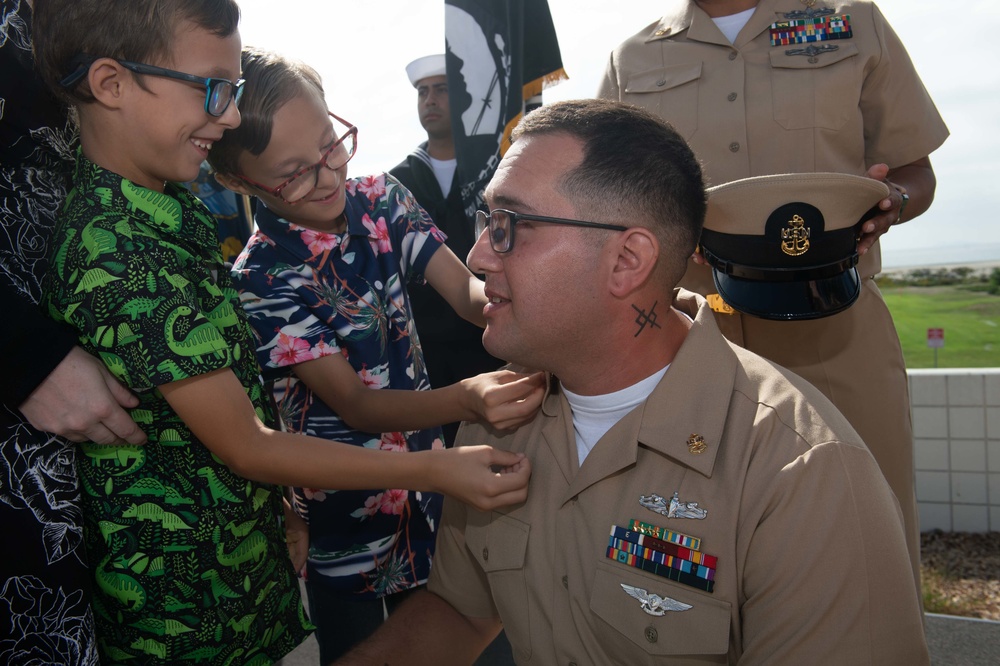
[(271, 81), (69, 33)]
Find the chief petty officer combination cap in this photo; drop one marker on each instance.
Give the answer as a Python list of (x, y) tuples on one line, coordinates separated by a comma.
[(785, 246), (421, 68)]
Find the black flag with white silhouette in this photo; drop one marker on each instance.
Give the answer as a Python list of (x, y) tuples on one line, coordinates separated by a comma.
[(499, 54)]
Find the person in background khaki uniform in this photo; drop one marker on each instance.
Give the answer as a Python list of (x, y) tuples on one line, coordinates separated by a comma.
[(730, 76), (690, 502)]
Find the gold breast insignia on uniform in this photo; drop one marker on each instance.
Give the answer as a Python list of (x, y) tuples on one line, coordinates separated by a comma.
[(664, 553), (654, 604), (795, 237), (696, 444), (673, 508)]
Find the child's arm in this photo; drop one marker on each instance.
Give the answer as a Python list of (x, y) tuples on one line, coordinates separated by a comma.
[(219, 413), (457, 285), (504, 399)]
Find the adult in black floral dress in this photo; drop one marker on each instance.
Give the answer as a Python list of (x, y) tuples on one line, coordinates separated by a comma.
[(48, 384)]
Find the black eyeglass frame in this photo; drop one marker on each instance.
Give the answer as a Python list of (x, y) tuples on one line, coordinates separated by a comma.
[(483, 219), (210, 83)]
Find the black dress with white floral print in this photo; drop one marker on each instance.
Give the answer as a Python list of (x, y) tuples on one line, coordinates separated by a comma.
[(45, 615)]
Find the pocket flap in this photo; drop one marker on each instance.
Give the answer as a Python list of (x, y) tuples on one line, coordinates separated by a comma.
[(701, 629), (663, 78), (498, 544)]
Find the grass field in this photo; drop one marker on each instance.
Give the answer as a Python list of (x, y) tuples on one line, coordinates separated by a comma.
[(970, 319)]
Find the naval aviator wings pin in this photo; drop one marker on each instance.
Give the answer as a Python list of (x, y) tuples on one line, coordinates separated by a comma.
[(674, 508), (654, 604)]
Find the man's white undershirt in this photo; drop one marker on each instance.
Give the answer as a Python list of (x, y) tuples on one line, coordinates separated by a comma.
[(593, 415), (732, 24), (444, 171)]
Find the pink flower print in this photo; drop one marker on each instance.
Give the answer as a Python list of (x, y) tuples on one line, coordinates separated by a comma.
[(393, 501), (438, 234), (351, 186), (372, 506), (368, 378), (319, 242), (322, 349), (372, 186), (438, 443), (393, 441), (314, 494), (378, 234), (289, 351)]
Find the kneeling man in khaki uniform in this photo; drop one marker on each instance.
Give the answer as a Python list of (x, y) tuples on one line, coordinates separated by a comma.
[(690, 501)]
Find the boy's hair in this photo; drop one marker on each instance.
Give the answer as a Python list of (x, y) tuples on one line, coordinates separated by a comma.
[(64, 31), (271, 81), (636, 171)]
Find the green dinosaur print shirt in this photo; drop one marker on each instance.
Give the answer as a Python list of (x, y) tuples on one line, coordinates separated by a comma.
[(188, 559)]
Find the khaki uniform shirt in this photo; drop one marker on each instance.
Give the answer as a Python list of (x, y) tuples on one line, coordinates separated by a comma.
[(752, 109), (812, 566)]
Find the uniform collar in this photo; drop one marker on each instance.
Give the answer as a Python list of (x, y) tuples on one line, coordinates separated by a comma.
[(684, 15), (420, 153), (687, 408)]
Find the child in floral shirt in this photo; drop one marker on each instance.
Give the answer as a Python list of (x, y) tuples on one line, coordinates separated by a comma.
[(324, 282)]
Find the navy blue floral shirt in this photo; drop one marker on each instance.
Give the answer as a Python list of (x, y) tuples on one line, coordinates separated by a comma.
[(310, 294)]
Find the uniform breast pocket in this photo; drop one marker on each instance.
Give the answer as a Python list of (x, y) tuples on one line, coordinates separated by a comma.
[(670, 92), (656, 617), (822, 91), (500, 546)]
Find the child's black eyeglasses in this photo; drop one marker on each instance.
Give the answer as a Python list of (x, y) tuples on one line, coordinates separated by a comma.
[(219, 93)]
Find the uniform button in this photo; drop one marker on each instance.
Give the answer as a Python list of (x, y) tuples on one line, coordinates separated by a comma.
[(486, 554), (650, 634), (731, 97), (565, 582), (813, 60), (661, 83), (732, 55), (734, 147)]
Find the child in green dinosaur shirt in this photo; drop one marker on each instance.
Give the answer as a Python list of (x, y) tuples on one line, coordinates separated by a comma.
[(184, 534)]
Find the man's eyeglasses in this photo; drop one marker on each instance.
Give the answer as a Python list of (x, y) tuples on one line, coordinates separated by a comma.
[(301, 184), (219, 93), (501, 225)]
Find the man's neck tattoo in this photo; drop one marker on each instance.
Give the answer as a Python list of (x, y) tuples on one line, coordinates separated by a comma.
[(644, 319)]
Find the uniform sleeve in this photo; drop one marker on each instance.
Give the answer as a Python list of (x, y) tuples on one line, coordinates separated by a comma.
[(827, 576), (29, 350), (135, 308), (608, 87), (456, 576), (901, 122)]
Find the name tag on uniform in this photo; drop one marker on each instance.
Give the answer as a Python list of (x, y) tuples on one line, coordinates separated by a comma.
[(803, 31)]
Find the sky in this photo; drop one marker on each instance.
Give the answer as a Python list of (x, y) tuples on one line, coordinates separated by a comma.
[(361, 49)]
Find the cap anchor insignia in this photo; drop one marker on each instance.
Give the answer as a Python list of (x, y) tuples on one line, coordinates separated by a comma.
[(795, 237)]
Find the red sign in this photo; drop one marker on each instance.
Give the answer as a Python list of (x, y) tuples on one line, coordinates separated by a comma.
[(935, 337)]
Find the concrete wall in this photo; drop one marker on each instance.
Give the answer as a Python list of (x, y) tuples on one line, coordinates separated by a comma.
[(956, 430)]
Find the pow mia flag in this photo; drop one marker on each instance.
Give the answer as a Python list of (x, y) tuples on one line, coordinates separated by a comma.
[(498, 53)]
